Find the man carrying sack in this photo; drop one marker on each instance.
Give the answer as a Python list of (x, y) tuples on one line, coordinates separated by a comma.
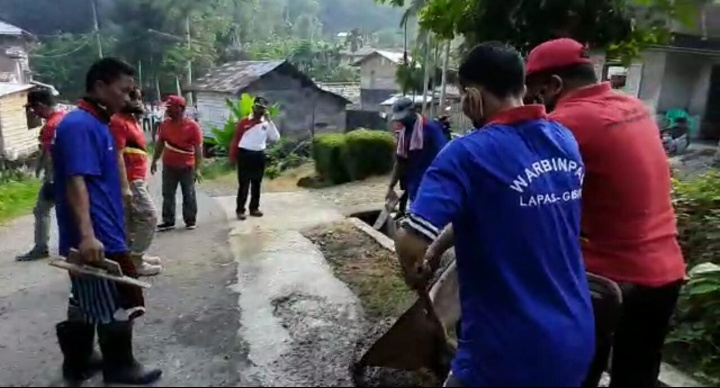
[(141, 218), (180, 144), (91, 219), (247, 151)]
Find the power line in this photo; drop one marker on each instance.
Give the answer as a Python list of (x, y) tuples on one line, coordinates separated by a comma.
[(72, 51)]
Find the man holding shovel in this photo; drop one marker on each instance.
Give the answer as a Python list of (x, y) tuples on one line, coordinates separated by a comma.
[(418, 141), (91, 220), (511, 191)]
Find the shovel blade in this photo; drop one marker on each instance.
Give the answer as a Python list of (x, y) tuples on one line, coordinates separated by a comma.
[(418, 338)]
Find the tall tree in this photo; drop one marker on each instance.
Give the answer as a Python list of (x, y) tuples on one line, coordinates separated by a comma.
[(623, 26)]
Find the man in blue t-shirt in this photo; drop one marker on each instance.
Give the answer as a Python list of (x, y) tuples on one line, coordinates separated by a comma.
[(507, 196), (90, 219), (418, 141)]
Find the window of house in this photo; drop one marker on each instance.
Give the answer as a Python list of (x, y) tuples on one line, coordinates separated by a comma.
[(33, 121), (617, 75)]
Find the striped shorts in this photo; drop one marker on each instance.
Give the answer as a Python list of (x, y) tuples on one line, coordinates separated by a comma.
[(101, 301)]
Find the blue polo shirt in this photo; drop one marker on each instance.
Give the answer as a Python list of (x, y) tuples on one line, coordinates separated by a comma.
[(84, 147), (512, 193), (418, 161)]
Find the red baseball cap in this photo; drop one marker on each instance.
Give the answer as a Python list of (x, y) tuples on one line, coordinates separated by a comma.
[(556, 54), (175, 100)]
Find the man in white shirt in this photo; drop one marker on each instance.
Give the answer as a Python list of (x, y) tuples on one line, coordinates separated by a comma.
[(247, 151)]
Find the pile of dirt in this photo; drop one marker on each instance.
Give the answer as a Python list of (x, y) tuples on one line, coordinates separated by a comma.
[(373, 274)]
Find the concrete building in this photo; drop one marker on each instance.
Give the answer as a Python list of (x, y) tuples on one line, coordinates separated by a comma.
[(378, 78), (684, 74), (305, 107)]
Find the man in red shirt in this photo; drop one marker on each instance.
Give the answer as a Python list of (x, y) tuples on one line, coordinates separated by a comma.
[(141, 219), (42, 103), (180, 145), (628, 221)]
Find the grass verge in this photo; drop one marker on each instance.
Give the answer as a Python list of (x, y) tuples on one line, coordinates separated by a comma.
[(371, 271), (17, 197)]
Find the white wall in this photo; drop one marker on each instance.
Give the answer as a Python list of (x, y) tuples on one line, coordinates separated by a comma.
[(212, 110)]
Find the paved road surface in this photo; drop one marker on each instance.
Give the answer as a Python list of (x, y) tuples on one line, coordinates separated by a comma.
[(192, 322)]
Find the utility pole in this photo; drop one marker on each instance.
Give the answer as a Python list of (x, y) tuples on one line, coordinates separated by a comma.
[(443, 86), (97, 28), (189, 63), (140, 75)]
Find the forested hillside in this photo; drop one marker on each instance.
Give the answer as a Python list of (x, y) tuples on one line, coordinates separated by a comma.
[(152, 34)]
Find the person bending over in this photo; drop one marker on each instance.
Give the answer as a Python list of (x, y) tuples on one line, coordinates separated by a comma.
[(507, 196)]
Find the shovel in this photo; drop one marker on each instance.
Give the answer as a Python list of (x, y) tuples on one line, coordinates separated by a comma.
[(418, 340), (107, 269)]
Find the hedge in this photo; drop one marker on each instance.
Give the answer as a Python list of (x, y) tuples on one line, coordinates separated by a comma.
[(368, 153), (356, 155), (696, 328), (327, 153)]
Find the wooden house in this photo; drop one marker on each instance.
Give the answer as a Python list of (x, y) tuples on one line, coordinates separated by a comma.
[(18, 129)]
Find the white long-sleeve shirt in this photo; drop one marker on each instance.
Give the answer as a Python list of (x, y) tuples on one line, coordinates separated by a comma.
[(257, 136)]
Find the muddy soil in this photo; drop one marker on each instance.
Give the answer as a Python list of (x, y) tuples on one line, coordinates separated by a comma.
[(372, 273)]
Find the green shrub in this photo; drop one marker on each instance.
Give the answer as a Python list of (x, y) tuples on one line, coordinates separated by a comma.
[(696, 328), (368, 153), (697, 207), (328, 155)]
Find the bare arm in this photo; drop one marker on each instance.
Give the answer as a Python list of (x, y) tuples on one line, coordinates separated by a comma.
[(80, 204), (159, 148), (445, 241), (42, 164), (124, 184), (410, 248), (198, 157), (396, 174)]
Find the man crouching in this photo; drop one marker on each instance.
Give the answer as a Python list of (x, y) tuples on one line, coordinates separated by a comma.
[(91, 219)]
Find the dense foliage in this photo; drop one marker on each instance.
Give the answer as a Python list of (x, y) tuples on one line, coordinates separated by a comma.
[(153, 35), (697, 326), (623, 27)]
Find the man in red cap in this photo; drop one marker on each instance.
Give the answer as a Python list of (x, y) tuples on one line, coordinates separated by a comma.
[(180, 145), (628, 221)]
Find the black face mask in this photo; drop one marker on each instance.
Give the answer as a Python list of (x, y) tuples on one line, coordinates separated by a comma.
[(409, 122), (134, 109)]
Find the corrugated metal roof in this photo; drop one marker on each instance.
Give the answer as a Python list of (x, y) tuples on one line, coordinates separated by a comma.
[(234, 76), (392, 56), (10, 88), (9, 29)]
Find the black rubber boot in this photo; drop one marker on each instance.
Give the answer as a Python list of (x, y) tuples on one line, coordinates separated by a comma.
[(120, 366), (77, 340)]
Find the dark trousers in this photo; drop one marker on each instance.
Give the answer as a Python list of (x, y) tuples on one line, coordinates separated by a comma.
[(171, 178), (250, 171), (639, 337)]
